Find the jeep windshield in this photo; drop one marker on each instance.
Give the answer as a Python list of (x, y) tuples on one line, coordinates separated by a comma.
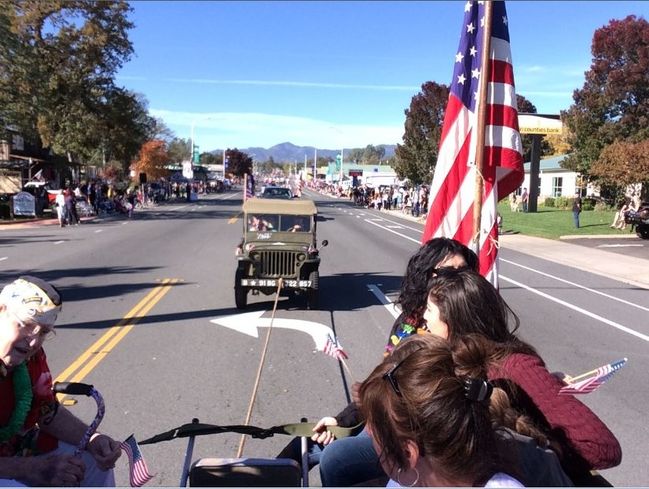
[(278, 222)]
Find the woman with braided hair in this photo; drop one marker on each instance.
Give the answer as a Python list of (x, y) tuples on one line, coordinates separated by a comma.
[(427, 410)]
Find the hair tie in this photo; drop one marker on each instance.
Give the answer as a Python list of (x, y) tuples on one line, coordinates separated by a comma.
[(477, 389)]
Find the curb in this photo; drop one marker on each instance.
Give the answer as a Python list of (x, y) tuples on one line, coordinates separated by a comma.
[(599, 236), (32, 223)]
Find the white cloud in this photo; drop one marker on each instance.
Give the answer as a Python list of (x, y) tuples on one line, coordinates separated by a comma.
[(213, 130), (289, 83)]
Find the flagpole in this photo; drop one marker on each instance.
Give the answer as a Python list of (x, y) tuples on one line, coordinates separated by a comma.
[(245, 185), (482, 123)]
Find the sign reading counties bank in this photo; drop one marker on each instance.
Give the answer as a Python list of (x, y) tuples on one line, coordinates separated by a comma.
[(539, 124)]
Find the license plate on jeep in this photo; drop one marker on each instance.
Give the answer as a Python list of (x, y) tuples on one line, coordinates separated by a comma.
[(271, 282)]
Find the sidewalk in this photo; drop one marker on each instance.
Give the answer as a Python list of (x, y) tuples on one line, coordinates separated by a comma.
[(35, 222)]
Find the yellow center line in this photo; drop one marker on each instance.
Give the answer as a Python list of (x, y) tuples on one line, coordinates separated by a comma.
[(135, 311), (123, 331), (234, 218)]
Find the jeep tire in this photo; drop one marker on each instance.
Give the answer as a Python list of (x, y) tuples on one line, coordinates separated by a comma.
[(313, 292), (643, 231), (240, 293)]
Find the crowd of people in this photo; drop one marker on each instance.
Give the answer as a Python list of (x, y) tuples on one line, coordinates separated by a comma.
[(408, 200), (459, 398)]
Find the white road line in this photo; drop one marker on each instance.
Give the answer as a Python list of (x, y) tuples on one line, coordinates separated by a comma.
[(578, 309), (59, 242), (401, 224), (393, 232), (4, 258), (620, 246), (98, 230), (125, 222), (387, 303), (395, 226), (603, 294)]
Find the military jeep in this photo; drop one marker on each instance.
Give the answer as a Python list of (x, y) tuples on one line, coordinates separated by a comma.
[(279, 241)]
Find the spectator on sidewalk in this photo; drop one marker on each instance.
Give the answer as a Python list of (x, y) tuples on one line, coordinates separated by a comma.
[(60, 208), (576, 210)]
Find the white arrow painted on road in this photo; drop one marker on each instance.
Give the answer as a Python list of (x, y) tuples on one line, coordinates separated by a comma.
[(247, 323)]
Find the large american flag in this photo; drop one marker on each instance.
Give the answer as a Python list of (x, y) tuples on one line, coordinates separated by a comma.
[(452, 191), (599, 376), (138, 471)]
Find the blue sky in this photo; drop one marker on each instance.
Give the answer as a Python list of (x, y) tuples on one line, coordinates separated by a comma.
[(335, 74)]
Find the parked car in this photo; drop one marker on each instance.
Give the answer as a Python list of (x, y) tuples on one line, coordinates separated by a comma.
[(276, 193), (639, 219)]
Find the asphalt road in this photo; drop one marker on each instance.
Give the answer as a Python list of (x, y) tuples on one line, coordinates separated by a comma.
[(170, 271)]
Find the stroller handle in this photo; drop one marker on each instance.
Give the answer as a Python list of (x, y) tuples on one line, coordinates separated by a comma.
[(73, 388)]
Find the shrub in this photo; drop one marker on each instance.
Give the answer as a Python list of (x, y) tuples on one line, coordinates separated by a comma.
[(603, 207), (587, 204), (563, 202), (548, 202)]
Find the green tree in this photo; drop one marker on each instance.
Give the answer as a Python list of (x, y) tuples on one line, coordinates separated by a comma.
[(63, 57), (210, 159), (239, 163), (179, 150), (613, 104), (416, 157), (623, 163)]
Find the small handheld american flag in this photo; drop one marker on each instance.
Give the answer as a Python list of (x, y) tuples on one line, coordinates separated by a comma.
[(334, 349), (138, 471), (593, 379)]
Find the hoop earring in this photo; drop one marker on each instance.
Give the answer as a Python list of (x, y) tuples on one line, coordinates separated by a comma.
[(413, 483)]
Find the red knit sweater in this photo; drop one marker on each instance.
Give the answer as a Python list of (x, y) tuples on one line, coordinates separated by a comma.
[(590, 444)]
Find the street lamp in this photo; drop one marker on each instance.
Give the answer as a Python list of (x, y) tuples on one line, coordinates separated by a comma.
[(191, 156)]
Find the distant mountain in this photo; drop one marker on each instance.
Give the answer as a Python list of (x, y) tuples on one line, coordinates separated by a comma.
[(290, 153)]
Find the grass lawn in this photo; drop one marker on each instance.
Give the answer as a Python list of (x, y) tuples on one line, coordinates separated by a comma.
[(549, 222)]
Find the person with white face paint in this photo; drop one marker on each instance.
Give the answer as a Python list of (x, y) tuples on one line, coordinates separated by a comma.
[(37, 435)]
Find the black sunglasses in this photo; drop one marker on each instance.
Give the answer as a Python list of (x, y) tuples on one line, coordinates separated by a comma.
[(389, 375)]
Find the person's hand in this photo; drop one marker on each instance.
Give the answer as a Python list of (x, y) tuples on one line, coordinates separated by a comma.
[(54, 470), (105, 450), (565, 378), (322, 435)]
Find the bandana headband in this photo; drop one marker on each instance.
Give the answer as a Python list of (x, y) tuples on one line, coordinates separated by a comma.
[(32, 299)]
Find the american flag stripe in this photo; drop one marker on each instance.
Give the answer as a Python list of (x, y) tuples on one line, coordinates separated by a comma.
[(138, 471), (334, 349), (453, 187)]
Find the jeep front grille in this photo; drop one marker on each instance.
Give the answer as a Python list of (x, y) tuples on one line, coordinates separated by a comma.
[(275, 264)]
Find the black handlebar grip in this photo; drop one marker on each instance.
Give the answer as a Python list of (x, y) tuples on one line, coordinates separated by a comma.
[(74, 388)]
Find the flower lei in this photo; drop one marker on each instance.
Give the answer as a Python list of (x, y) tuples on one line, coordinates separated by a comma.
[(23, 401)]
